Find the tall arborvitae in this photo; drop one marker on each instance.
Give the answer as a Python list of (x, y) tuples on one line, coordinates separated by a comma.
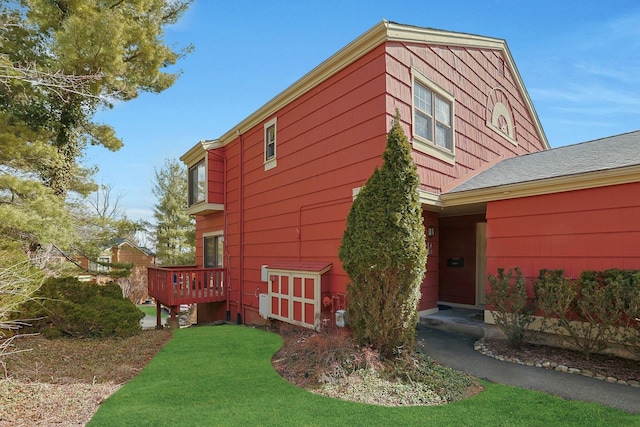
[(384, 253)]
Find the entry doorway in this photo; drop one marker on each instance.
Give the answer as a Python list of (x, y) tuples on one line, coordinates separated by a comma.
[(481, 263)]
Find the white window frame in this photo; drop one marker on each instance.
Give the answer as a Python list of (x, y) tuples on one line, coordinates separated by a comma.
[(212, 234), (270, 161), (195, 199), (421, 143)]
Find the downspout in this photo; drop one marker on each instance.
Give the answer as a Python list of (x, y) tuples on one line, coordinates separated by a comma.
[(241, 219)]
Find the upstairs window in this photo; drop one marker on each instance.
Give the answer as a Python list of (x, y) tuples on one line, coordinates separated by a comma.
[(197, 183), (270, 144), (433, 112)]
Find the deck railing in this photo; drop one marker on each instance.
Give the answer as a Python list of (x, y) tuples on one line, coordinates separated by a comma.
[(175, 285)]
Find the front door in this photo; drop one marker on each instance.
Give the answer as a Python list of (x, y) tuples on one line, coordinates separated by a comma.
[(481, 263)]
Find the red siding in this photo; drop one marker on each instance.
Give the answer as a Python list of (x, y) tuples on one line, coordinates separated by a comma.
[(328, 142), (215, 177), (469, 75), (591, 229)]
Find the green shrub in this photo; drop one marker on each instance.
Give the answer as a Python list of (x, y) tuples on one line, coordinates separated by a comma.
[(593, 310), (67, 307), (627, 300), (383, 251), (512, 309)]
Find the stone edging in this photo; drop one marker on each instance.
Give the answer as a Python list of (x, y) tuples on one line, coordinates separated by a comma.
[(480, 347)]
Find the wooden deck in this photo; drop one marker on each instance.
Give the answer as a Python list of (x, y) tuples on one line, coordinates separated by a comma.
[(175, 285)]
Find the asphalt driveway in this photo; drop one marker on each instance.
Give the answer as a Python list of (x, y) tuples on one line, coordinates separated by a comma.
[(456, 351)]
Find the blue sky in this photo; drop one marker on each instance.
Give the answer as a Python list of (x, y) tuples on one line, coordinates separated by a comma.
[(579, 60)]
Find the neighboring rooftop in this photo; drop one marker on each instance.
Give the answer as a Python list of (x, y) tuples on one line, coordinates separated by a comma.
[(609, 153)]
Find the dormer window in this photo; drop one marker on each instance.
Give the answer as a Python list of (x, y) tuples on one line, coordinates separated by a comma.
[(197, 183)]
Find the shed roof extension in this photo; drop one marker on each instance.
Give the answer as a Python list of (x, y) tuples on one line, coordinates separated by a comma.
[(607, 161)]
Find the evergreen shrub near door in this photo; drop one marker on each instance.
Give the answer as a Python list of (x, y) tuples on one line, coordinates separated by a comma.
[(513, 310), (383, 251)]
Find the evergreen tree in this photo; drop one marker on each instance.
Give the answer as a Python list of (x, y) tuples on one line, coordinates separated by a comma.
[(383, 251), (60, 62), (114, 49), (175, 229)]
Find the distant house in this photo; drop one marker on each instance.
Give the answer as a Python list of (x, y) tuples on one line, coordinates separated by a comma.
[(272, 194), (118, 251)]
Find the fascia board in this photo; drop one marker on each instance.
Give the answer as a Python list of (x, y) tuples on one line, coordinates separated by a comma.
[(545, 186), (205, 208), (430, 201), (197, 152)]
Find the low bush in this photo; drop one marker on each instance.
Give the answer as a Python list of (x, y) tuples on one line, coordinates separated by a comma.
[(627, 299), (512, 309), (596, 309), (67, 307)]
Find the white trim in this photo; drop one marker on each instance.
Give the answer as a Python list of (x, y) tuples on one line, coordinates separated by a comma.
[(213, 233), (290, 299), (589, 180), (199, 150), (204, 208), (495, 109), (205, 161), (216, 233), (270, 164), (422, 144)]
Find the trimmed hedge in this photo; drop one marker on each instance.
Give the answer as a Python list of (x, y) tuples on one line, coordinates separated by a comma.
[(67, 307), (598, 308)]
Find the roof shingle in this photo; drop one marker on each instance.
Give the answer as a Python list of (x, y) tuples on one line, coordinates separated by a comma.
[(613, 152)]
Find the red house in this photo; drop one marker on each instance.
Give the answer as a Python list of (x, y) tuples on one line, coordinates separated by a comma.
[(272, 194)]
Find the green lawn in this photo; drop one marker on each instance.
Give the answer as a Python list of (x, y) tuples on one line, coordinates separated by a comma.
[(222, 376), (150, 310)]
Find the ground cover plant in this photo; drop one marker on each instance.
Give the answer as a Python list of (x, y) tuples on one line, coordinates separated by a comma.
[(223, 375)]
